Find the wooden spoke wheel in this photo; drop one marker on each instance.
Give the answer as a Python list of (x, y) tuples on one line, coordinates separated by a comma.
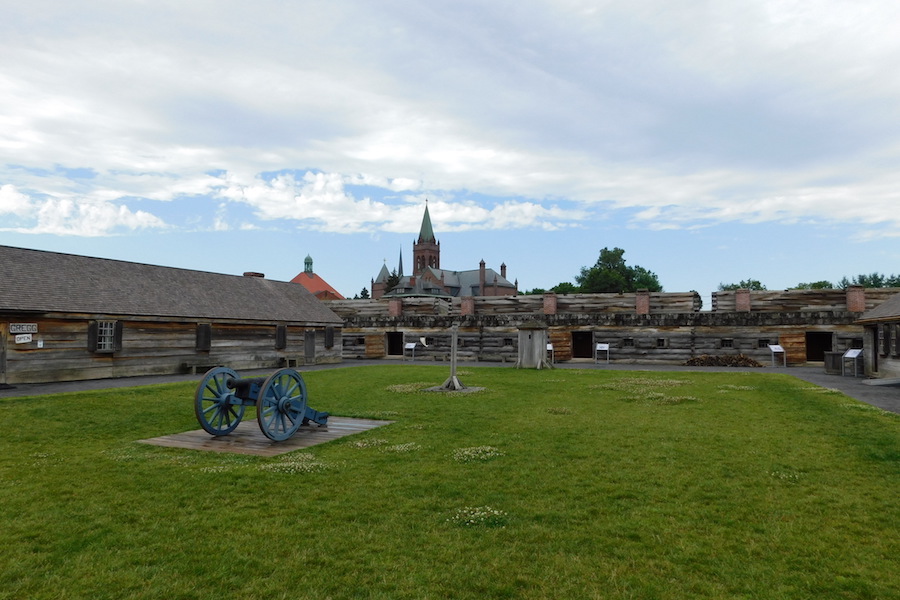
[(214, 402), (281, 405)]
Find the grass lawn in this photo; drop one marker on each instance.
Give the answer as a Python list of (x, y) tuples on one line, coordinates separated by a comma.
[(549, 484)]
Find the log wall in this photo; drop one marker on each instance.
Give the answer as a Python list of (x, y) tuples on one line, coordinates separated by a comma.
[(589, 304), (666, 338), (59, 351)]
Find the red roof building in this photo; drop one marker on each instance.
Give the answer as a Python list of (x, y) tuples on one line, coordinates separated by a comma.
[(315, 284)]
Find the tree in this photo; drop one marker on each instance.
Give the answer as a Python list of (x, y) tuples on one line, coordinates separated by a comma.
[(872, 280), (364, 294), (392, 281), (747, 284), (565, 287), (611, 274), (815, 285)]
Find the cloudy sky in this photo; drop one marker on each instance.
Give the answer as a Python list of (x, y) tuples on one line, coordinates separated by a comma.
[(713, 140)]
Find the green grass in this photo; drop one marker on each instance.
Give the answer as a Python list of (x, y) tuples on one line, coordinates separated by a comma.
[(548, 484)]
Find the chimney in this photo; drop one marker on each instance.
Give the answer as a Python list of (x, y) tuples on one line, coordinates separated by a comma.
[(642, 302), (856, 298), (742, 300), (481, 277), (503, 270)]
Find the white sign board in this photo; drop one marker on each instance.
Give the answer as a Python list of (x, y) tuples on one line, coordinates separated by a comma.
[(853, 353), (775, 348), (410, 346), (15, 328), (23, 338), (602, 346)]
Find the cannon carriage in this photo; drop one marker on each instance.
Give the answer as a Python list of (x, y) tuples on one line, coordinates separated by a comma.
[(280, 400)]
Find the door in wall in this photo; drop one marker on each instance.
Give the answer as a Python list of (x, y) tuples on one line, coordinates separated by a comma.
[(817, 344), (395, 343), (582, 344), (2, 356), (309, 347)]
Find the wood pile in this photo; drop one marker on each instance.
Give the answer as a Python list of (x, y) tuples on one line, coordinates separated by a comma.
[(730, 360)]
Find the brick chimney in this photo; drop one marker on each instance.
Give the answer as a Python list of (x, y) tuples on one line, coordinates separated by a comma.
[(856, 298), (503, 270), (642, 302), (467, 306), (742, 300), (549, 303)]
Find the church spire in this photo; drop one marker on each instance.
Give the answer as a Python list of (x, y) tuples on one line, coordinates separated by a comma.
[(426, 251), (426, 233), (400, 267)]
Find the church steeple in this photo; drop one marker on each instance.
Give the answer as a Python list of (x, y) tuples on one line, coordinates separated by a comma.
[(307, 264), (427, 250), (426, 233)]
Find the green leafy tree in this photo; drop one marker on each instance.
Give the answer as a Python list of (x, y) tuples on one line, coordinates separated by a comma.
[(565, 287), (364, 294), (871, 280), (611, 274), (747, 284), (815, 285)]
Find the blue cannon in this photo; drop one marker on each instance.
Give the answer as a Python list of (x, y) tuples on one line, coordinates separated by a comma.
[(280, 400)]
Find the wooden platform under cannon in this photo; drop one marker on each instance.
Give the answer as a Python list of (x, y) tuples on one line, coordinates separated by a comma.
[(248, 439)]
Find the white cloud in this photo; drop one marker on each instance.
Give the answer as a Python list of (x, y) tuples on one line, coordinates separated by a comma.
[(13, 202), (539, 114)]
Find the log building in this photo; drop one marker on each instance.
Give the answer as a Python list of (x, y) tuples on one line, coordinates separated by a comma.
[(642, 327), (66, 317), (881, 356)]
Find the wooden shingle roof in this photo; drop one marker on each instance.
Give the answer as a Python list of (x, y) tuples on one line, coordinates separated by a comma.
[(887, 310), (39, 281)]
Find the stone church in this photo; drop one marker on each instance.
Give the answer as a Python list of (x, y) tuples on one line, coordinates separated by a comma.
[(428, 279)]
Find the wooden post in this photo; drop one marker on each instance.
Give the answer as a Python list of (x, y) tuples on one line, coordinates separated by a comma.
[(453, 383)]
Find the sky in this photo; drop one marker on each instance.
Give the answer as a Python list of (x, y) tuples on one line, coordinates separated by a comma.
[(713, 141)]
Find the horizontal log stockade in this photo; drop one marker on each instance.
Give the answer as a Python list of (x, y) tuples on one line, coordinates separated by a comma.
[(641, 327)]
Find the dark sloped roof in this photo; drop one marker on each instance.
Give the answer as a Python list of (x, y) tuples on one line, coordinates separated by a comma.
[(889, 309), (38, 281), (459, 283)]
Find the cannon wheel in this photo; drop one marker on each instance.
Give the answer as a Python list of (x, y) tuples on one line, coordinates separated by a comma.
[(281, 405), (216, 414)]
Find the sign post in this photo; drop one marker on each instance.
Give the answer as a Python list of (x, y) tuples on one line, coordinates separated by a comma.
[(776, 349)]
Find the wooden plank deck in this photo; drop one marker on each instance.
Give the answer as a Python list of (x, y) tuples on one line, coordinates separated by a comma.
[(248, 439)]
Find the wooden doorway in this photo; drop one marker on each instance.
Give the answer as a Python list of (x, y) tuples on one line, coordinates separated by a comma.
[(2, 357), (817, 344), (395, 343), (309, 347), (582, 344)]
